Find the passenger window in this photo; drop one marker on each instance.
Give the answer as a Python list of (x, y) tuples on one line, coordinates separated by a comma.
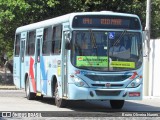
[(31, 43), (46, 48), (17, 45), (56, 39)]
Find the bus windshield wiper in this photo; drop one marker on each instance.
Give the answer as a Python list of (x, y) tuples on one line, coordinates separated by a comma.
[(93, 40), (118, 40)]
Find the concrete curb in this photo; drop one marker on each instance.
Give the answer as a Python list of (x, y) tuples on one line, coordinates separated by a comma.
[(5, 87), (151, 97)]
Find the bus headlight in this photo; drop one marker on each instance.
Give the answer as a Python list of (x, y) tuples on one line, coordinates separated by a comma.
[(135, 83), (79, 82)]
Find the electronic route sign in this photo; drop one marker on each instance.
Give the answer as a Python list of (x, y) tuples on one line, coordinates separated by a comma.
[(106, 22)]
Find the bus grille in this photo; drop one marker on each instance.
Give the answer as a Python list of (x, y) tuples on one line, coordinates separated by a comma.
[(109, 78), (107, 93), (103, 85)]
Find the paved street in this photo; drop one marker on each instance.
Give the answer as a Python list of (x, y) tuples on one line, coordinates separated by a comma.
[(14, 100)]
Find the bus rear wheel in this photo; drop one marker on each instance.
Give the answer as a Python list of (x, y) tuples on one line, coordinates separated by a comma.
[(59, 102), (117, 104), (29, 95)]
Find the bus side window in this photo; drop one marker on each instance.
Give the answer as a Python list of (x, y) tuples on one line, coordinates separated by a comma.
[(17, 45), (56, 39), (30, 47), (38, 45), (46, 48)]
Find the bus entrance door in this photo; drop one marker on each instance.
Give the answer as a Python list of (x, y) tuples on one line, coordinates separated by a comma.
[(22, 66), (39, 33), (65, 61)]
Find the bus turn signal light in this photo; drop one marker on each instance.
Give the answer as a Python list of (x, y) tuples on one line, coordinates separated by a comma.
[(133, 76)]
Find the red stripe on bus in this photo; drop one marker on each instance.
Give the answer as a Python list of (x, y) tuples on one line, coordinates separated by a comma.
[(31, 72)]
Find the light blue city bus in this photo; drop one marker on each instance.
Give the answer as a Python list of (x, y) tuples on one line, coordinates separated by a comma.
[(81, 56)]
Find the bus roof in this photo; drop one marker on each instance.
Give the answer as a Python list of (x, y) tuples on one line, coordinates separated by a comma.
[(66, 18)]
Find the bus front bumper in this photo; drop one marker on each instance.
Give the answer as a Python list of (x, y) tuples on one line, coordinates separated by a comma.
[(82, 93)]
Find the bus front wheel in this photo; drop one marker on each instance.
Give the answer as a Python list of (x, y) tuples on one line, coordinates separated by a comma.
[(117, 104), (59, 102), (29, 95)]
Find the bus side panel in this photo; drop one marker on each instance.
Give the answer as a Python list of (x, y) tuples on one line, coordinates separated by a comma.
[(54, 70), (44, 73), (16, 71), (32, 74), (29, 69), (26, 68), (49, 73), (49, 68)]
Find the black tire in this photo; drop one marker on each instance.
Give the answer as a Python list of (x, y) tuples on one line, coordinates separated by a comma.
[(59, 102), (29, 95), (117, 104)]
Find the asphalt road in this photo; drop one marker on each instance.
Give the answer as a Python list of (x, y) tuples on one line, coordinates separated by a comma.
[(15, 100)]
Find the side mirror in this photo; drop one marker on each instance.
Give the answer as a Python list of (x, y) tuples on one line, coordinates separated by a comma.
[(67, 44), (67, 40)]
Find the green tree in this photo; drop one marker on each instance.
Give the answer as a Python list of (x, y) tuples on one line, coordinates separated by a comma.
[(15, 13), (155, 19), (9, 11)]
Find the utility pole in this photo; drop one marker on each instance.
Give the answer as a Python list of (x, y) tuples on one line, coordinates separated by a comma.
[(147, 81)]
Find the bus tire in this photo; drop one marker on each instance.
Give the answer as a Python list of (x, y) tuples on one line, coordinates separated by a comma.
[(29, 95), (59, 102), (117, 104)]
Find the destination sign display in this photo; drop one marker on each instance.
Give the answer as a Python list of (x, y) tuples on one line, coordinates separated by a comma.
[(106, 22)]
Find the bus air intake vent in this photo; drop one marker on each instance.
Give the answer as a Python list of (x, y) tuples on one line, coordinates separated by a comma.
[(107, 93), (109, 78)]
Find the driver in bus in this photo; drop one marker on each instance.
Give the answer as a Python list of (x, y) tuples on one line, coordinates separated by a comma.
[(117, 47), (119, 50)]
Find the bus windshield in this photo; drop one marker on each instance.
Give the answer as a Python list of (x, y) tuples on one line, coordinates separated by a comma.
[(106, 50)]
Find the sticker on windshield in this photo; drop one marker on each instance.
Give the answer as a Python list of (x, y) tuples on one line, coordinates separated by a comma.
[(111, 35), (94, 61), (123, 64)]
